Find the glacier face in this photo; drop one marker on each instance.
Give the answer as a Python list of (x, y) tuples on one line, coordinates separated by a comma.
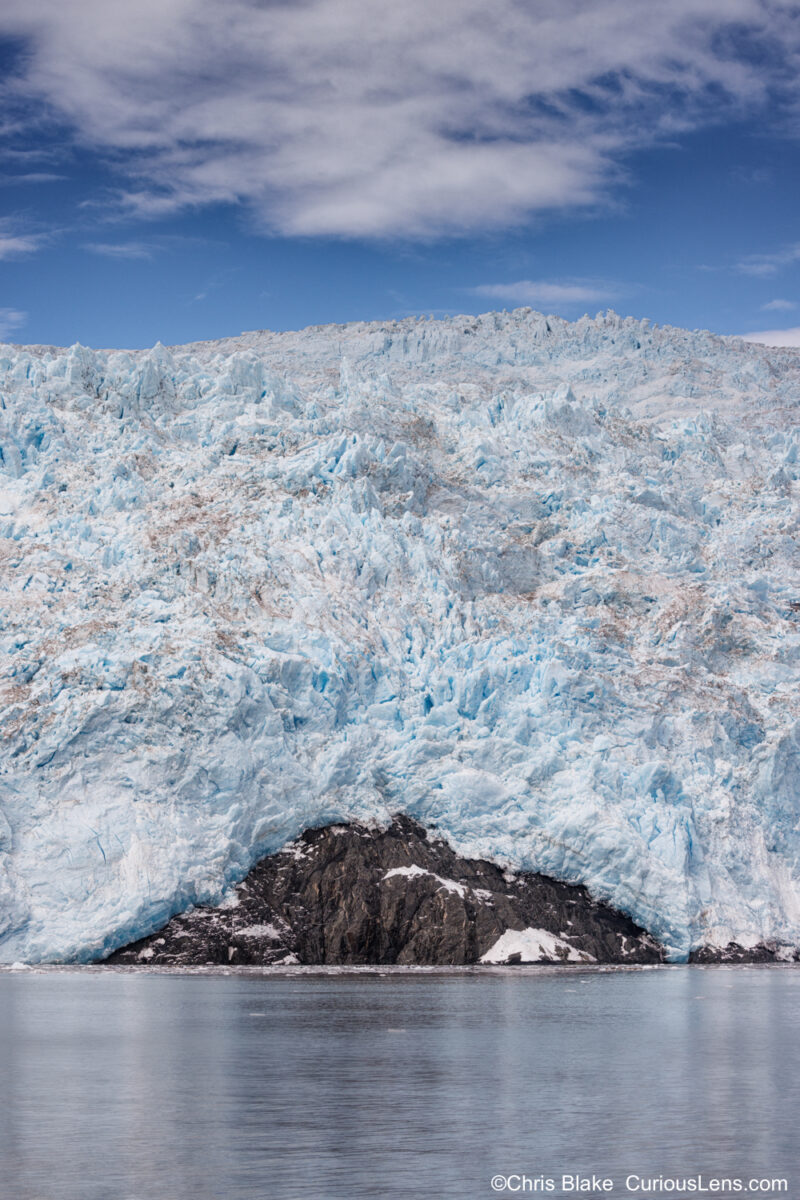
[(532, 582)]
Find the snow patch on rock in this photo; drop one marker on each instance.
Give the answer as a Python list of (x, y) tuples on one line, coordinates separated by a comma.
[(449, 885), (533, 945)]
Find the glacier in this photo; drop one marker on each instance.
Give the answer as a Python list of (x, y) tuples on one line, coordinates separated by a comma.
[(533, 583)]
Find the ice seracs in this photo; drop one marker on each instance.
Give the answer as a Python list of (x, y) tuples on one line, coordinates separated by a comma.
[(534, 583)]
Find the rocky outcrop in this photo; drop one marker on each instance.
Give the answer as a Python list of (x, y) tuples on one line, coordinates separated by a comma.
[(349, 894), (764, 952)]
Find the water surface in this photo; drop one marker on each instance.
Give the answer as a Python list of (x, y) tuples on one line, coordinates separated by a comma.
[(149, 1086)]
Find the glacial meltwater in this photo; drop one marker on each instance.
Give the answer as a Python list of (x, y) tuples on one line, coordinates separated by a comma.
[(136, 1085)]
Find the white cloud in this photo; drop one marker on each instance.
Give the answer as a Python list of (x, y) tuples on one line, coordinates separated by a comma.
[(10, 320), (386, 117), (30, 177), (133, 250), (770, 264), (778, 306), (549, 292), (11, 247), (775, 337), (13, 244)]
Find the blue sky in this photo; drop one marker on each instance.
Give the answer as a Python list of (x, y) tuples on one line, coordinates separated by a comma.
[(185, 169)]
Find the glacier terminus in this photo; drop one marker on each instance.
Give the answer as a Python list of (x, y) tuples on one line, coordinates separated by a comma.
[(532, 583)]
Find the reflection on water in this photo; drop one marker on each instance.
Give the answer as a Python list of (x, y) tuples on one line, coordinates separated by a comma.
[(135, 1086)]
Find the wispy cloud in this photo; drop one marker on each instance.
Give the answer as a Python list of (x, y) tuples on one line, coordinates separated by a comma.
[(132, 250), (769, 264), (11, 319), (13, 243), (550, 292), (775, 337), (214, 282), (362, 118), (778, 306), (30, 177)]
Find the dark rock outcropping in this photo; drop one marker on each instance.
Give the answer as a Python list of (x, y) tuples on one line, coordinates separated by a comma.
[(764, 952), (348, 894)]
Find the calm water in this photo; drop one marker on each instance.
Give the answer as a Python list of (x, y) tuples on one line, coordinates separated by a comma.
[(117, 1086)]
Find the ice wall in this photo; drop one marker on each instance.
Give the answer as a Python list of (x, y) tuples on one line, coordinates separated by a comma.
[(533, 582)]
